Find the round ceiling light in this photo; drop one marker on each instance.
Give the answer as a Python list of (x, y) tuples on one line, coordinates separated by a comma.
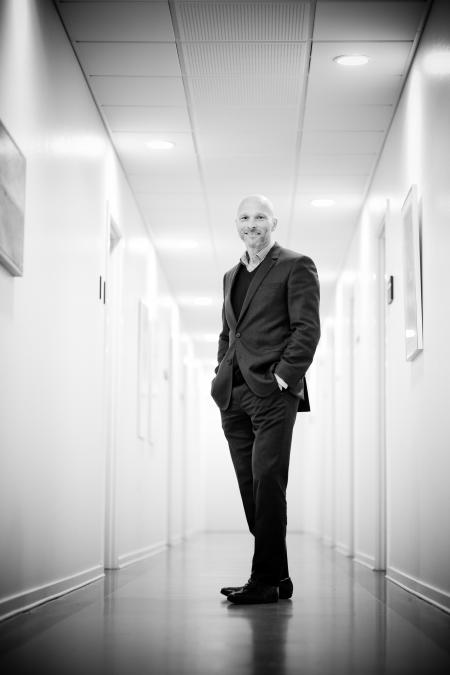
[(322, 203), (351, 60), (160, 145)]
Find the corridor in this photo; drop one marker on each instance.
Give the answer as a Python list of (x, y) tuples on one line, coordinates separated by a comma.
[(138, 139), (165, 616)]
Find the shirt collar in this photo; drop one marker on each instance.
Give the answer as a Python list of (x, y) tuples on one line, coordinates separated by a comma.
[(260, 256)]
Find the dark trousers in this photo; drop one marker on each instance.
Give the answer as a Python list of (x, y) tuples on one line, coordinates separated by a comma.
[(259, 434)]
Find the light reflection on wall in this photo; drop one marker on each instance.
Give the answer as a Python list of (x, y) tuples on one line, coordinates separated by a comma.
[(437, 63), (414, 130), (77, 146)]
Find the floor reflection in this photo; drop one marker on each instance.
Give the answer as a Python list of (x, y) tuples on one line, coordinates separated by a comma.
[(166, 615)]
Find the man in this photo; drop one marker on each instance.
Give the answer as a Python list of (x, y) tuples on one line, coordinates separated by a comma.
[(270, 332)]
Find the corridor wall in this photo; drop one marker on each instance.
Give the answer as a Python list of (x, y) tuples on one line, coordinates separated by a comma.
[(417, 424), (54, 391)]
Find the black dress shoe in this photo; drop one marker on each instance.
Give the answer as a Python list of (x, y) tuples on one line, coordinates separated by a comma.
[(254, 593), (285, 589)]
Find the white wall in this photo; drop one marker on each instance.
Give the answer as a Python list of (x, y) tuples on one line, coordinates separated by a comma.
[(54, 389), (417, 421)]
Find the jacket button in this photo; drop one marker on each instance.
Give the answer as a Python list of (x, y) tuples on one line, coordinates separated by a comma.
[(238, 335)]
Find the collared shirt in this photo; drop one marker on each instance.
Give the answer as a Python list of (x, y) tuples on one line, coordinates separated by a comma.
[(245, 260)]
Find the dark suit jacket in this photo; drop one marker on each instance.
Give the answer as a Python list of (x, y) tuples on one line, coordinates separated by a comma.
[(277, 330)]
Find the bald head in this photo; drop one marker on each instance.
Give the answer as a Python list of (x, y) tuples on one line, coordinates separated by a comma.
[(256, 201), (255, 223)]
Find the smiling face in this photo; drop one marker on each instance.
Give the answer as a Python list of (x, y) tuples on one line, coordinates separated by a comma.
[(255, 222)]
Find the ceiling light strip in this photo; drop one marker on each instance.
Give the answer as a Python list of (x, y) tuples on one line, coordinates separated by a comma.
[(301, 117), (178, 44)]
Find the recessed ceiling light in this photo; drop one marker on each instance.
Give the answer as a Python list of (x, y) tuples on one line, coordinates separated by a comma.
[(160, 145), (322, 203), (351, 60)]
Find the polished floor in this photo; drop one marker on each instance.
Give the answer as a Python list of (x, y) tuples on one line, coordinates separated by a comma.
[(165, 615)]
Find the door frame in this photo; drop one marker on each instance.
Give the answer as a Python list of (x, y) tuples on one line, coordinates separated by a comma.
[(113, 274), (381, 459)]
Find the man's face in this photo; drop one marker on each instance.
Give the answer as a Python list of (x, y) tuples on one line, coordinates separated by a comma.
[(255, 222)]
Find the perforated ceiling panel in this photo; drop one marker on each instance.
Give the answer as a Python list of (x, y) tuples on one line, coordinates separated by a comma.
[(242, 59), (243, 21), (244, 54)]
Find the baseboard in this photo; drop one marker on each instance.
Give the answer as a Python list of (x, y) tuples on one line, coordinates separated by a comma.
[(343, 549), (22, 602), (327, 541), (431, 594), (364, 559), (140, 554)]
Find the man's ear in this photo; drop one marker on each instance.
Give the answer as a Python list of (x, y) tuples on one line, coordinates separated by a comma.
[(274, 224)]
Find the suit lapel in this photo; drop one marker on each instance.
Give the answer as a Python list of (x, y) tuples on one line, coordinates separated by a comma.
[(261, 271), (229, 311)]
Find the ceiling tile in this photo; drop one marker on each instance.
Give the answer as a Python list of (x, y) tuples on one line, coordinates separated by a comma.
[(213, 120), (138, 90), (158, 203), (165, 171), (133, 145), (388, 20), (141, 119), (226, 144), (357, 164), (390, 58), (331, 184), (245, 21), (244, 92), (165, 180), (347, 206), (123, 21), (342, 142), (244, 175), (138, 59), (348, 117), (175, 225), (378, 90)]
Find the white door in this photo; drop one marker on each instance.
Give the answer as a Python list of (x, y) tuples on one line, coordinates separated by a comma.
[(112, 299), (385, 289), (343, 465)]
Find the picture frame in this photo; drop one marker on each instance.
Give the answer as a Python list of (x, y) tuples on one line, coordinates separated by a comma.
[(412, 275), (12, 203)]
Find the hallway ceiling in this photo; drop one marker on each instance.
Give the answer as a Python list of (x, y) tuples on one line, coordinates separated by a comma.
[(254, 102)]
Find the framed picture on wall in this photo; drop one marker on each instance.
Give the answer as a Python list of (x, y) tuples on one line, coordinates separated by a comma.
[(412, 276), (12, 204)]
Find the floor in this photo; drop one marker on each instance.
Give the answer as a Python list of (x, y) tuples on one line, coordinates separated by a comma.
[(165, 615)]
